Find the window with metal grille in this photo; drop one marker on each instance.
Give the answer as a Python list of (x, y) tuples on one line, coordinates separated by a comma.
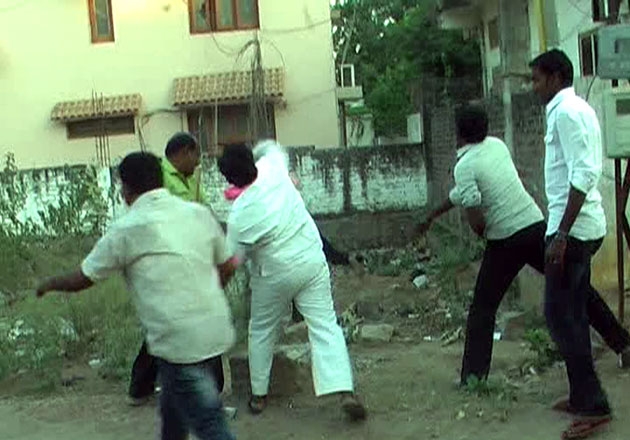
[(493, 33), (222, 15), (232, 126), (588, 54), (97, 127), (101, 20)]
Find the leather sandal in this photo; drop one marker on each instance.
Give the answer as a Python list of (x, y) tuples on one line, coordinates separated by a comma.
[(585, 426), (353, 408), (257, 404)]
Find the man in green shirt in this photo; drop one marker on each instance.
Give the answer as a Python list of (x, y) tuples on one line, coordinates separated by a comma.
[(183, 156)]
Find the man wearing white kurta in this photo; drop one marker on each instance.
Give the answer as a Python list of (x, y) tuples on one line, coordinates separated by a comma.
[(270, 228)]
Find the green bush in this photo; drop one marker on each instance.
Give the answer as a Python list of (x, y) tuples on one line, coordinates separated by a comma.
[(543, 348)]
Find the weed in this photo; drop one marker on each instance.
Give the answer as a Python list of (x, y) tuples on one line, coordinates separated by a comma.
[(543, 348), (501, 389), (38, 336)]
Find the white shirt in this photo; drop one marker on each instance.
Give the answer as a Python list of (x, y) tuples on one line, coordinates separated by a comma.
[(167, 250), (269, 224), (486, 178), (573, 157)]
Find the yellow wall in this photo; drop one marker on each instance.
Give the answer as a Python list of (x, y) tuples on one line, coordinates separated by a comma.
[(46, 56)]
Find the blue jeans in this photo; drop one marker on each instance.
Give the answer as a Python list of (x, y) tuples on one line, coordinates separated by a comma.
[(567, 296), (190, 402)]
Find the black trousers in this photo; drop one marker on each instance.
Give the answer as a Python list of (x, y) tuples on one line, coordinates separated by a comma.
[(334, 256), (144, 373), (568, 296), (502, 261)]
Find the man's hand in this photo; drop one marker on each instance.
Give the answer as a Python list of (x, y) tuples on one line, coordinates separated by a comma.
[(43, 288), (227, 271), (477, 221), (71, 282), (423, 228), (555, 253)]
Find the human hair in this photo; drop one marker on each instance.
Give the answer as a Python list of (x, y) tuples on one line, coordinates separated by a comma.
[(237, 165), (471, 121), (554, 62), (141, 172), (179, 142)]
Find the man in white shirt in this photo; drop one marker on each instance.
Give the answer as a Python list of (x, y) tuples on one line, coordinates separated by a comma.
[(500, 210), (270, 228), (172, 255), (577, 226), (334, 257)]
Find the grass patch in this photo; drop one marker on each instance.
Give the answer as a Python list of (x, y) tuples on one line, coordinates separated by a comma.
[(39, 336)]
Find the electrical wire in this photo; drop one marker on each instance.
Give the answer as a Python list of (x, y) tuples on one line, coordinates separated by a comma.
[(312, 95), (590, 88), (223, 50), (296, 29), (278, 51)]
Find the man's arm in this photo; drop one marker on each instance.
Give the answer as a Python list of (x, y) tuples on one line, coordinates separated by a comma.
[(476, 220), (105, 258), (227, 271), (584, 171), (469, 197), (574, 206), (584, 167), (75, 281), (442, 209)]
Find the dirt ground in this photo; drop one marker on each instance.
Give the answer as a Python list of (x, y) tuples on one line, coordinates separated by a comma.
[(408, 386)]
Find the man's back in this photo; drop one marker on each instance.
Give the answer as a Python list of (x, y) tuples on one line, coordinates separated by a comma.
[(270, 216), (169, 250), (486, 177)]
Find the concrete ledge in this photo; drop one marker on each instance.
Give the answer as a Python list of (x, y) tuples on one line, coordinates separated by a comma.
[(368, 230)]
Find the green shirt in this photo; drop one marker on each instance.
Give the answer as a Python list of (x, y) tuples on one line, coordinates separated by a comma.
[(181, 186)]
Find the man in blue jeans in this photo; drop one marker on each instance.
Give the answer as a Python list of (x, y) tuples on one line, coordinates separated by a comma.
[(172, 255), (576, 228)]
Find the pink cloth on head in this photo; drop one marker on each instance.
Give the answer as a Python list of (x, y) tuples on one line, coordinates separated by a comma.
[(232, 192)]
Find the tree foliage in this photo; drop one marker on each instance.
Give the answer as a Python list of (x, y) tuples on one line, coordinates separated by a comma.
[(393, 43)]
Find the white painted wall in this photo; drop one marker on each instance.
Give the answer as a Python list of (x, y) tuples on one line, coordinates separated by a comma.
[(380, 179), (46, 56)]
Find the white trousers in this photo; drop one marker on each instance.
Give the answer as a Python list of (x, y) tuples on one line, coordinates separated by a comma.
[(309, 285)]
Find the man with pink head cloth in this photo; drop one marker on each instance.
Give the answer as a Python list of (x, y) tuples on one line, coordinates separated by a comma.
[(271, 230)]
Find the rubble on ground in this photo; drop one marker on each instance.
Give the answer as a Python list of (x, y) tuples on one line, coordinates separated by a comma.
[(376, 332)]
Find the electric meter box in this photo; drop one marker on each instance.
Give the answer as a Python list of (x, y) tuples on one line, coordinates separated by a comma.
[(613, 49), (617, 123)]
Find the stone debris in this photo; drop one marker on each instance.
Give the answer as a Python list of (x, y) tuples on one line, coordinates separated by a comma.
[(377, 332)]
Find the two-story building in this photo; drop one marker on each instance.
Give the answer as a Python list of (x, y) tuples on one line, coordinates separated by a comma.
[(521, 29), (86, 81)]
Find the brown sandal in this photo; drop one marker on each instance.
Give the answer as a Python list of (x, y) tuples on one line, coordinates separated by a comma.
[(353, 408), (257, 404), (585, 426)]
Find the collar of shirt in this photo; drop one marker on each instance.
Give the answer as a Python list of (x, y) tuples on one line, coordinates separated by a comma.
[(171, 171), (178, 184), (465, 149), (560, 96), (148, 197)]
